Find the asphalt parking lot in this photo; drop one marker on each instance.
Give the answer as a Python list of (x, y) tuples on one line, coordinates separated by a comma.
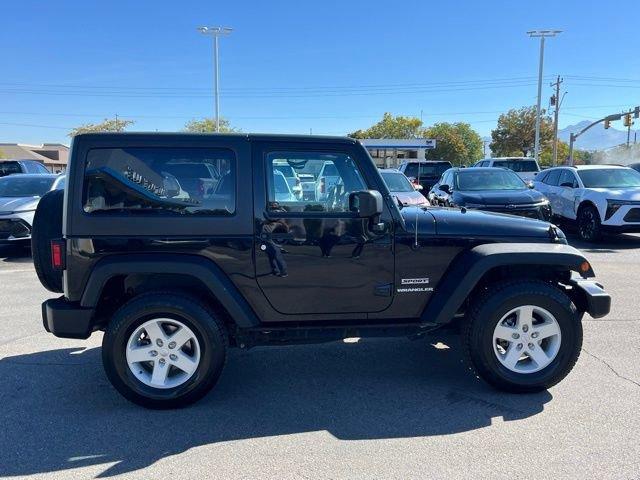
[(374, 409)]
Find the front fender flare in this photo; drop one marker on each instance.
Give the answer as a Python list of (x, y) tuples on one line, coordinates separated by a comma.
[(470, 266)]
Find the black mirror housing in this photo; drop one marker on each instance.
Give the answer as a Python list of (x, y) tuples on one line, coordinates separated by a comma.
[(445, 188), (365, 203)]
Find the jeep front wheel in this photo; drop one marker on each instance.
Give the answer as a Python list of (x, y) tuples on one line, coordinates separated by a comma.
[(164, 350), (523, 336)]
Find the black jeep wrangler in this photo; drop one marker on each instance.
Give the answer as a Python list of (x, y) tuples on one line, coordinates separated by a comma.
[(179, 246)]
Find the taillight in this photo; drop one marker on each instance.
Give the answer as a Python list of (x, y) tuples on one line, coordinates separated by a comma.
[(322, 185), (57, 254)]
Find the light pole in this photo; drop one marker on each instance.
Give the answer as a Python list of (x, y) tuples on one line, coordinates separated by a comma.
[(216, 32), (541, 34)]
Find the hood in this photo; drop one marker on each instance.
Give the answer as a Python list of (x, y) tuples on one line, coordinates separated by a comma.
[(17, 204), (474, 223), (499, 197), (410, 198), (619, 193)]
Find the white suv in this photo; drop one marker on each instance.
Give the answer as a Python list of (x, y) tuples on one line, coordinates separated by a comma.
[(526, 168), (598, 197)]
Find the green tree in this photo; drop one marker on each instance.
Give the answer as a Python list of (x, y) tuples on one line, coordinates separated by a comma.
[(208, 125), (2, 154), (457, 143), (392, 127), (515, 132), (108, 125)]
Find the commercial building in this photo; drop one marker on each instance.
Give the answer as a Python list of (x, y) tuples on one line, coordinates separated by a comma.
[(391, 152), (53, 155)]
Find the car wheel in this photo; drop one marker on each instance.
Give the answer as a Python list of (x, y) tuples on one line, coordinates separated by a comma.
[(164, 350), (522, 336), (589, 226), (47, 226)]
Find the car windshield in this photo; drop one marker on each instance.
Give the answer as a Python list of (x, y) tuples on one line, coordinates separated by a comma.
[(433, 170), (472, 180), (518, 165), (286, 170), (397, 182), (610, 178), (32, 186)]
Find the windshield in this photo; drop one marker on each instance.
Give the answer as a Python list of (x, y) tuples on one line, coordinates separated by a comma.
[(330, 170), (610, 178), (518, 165), (472, 180), (34, 186), (433, 170), (286, 170), (397, 182)]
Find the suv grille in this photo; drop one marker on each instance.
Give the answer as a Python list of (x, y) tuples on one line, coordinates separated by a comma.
[(12, 228)]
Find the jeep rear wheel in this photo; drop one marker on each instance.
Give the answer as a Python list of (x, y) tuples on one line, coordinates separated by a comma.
[(164, 350), (523, 336)]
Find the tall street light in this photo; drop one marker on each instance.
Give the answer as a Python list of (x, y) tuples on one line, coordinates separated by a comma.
[(541, 34), (216, 32)]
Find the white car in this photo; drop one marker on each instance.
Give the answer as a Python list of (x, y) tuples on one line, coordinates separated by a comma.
[(526, 168), (599, 198)]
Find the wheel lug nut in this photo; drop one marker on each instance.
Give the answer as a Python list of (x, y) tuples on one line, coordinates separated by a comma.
[(162, 361), (535, 335), (519, 346), (153, 353), (159, 342), (525, 328), (172, 344), (173, 357), (530, 345), (515, 335)]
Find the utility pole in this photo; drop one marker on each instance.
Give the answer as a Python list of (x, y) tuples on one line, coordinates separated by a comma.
[(216, 32), (116, 122), (556, 101), (541, 34)]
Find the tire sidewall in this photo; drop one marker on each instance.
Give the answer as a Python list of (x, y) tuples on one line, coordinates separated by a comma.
[(596, 223), (211, 343), (497, 307)]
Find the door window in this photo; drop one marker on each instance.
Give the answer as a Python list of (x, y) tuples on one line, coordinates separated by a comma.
[(552, 178), (567, 179), (311, 182)]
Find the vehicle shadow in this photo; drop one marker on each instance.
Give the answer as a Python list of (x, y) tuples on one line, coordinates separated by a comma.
[(608, 244), (59, 412), (15, 254)]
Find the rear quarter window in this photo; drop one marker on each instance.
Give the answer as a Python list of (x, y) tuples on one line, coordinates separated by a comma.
[(9, 168), (160, 181)]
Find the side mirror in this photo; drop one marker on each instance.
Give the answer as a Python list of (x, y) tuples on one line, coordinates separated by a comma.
[(530, 185), (366, 203), (445, 188)]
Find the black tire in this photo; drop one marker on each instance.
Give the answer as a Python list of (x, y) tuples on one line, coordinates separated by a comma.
[(489, 308), (47, 226), (207, 327), (589, 225)]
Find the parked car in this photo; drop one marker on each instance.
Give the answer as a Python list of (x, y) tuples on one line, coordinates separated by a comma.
[(11, 167), (401, 188), (490, 189), (424, 173), (19, 197), (290, 176), (327, 179), (598, 198), (526, 168), (174, 285), (282, 188)]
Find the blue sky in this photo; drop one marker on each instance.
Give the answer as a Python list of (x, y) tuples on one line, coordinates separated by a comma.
[(292, 66)]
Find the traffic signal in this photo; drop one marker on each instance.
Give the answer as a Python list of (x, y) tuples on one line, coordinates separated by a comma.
[(627, 120), (636, 112), (607, 124), (553, 100)]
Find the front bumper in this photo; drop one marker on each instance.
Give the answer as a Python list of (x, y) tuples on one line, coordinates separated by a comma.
[(590, 297), (15, 228), (66, 319)]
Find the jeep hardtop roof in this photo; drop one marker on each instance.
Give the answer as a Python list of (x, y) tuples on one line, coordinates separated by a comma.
[(249, 136)]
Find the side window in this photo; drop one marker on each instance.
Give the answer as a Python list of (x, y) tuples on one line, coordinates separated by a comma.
[(9, 168), (160, 181), (552, 178), (541, 177), (446, 179), (484, 163), (311, 181), (567, 178), (37, 167)]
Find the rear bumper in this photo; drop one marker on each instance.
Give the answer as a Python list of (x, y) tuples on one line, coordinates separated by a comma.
[(594, 300), (66, 319)]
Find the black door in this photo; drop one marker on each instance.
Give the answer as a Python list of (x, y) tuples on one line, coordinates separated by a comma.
[(312, 255)]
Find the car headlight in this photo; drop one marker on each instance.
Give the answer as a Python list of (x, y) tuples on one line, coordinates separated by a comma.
[(614, 205)]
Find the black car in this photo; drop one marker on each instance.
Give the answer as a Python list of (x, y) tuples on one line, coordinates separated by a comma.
[(10, 167), (490, 189), (424, 173), (175, 277)]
